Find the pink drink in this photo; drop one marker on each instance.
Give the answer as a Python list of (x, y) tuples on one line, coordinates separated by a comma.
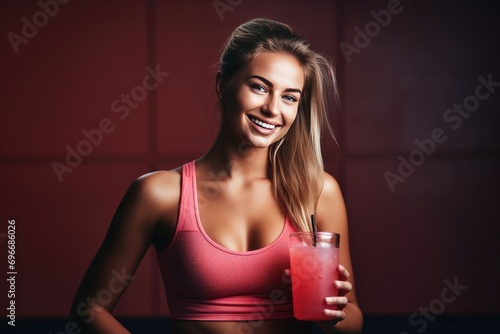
[(314, 270)]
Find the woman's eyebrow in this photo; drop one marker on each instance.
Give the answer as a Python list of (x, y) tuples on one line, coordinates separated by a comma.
[(269, 83)]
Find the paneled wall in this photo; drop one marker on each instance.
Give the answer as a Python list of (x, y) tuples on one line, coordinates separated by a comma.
[(95, 94), (420, 173)]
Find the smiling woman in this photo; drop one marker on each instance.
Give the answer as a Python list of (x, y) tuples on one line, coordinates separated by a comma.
[(263, 104), (224, 255)]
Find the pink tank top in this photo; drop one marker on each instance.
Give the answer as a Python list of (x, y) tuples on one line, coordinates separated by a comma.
[(205, 281)]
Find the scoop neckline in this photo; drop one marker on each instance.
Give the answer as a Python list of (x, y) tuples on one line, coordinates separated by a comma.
[(217, 245)]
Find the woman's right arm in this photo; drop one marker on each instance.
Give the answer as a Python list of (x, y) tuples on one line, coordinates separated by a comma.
[(147, 211)]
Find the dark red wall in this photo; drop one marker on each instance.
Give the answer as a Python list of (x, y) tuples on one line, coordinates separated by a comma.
[(439, 224)]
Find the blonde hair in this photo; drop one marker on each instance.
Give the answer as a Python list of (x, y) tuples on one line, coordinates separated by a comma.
[(296, 163)]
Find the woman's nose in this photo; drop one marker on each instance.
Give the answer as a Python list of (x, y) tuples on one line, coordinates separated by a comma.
[(271, 106)]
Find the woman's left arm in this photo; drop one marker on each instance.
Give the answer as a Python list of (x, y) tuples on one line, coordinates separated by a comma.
[(331, 216)]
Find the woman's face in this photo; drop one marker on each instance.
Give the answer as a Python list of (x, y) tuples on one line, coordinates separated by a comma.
[(261, 102)]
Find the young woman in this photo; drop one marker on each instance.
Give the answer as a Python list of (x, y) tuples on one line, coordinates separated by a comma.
[(220, 224)]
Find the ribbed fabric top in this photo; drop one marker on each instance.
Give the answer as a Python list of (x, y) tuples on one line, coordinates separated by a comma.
[(205, 281)]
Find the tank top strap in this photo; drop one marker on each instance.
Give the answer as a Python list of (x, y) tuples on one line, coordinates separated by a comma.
[(188, 209)]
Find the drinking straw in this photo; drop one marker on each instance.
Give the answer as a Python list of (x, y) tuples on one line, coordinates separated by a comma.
[(315, 230)]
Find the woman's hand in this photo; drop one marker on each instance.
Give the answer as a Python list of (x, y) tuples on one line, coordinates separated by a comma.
[(346, 317), (338, 302)]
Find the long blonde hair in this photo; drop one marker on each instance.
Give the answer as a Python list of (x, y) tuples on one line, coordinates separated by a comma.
[(296, 163)]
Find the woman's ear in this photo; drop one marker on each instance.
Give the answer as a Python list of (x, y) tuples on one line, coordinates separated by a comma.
[(219, 84)]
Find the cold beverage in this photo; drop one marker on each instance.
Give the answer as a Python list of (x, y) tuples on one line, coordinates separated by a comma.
[(314, 270)]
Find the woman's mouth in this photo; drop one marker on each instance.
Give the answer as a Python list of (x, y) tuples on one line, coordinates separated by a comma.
[(262, 124)]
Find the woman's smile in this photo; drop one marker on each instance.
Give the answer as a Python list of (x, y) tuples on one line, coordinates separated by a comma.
[(264, 99), (266, 128)]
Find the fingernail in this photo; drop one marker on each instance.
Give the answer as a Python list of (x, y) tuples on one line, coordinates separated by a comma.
[(330, 300), (332, 312)]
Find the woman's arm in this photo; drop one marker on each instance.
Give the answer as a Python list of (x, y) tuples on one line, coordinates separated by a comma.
[(150, 204), (331, 216)]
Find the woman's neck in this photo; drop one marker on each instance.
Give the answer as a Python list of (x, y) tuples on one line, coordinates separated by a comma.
[(235, 158)]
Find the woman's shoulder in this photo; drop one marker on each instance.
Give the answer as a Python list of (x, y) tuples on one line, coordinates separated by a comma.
[(331, 211), (331, 187), (160, 176), (159, 187)]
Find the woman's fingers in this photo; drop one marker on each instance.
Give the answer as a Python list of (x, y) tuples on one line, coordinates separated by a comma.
[(343, 286), (340, 315), (343, 273), (340, 301)]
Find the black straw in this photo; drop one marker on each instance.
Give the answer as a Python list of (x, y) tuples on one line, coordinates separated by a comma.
[(315, 230)]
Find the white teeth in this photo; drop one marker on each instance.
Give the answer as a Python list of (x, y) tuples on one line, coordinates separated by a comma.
[(262, 124)]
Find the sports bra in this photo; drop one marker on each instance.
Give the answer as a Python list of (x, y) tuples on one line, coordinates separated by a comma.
[(205, 281)]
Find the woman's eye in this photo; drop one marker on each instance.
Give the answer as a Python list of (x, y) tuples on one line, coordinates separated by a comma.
[(290, 98), (259, 88)]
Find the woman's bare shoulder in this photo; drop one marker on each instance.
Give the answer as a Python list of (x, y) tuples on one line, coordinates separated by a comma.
[(331, 187), (160, 187), (331, 211)]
